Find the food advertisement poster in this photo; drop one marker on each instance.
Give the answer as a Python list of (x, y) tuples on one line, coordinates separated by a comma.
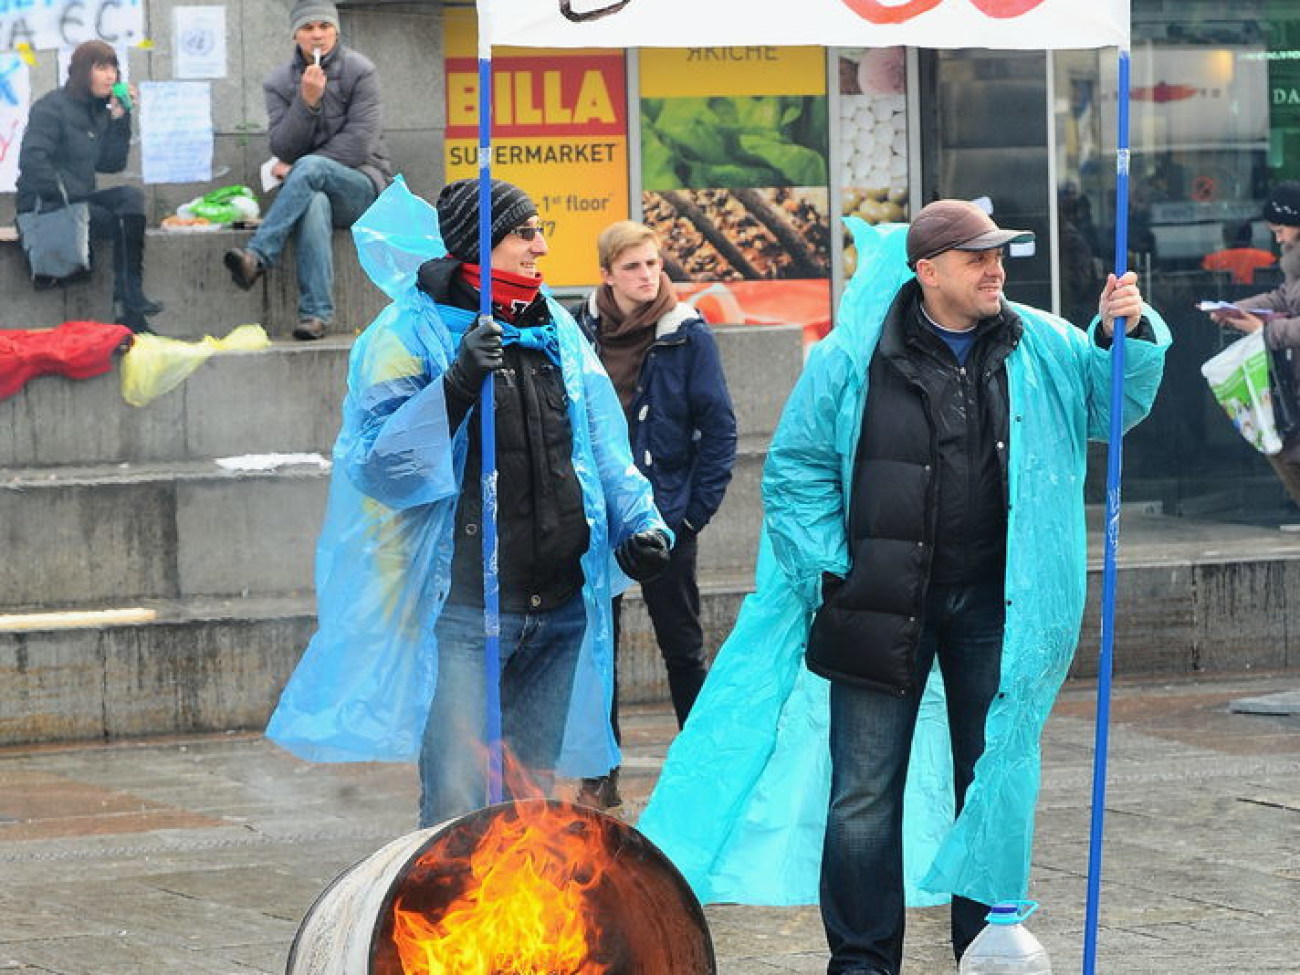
[(559, 132), (734, 146), (872, 134)]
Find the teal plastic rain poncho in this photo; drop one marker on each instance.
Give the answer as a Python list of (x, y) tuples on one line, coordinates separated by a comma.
[(741, 804), (362, 690)]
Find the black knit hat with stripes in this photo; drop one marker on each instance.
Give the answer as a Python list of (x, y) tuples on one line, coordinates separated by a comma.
[(458, 215)]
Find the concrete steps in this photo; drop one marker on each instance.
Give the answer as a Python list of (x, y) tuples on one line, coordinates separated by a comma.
[(204, 664), (103, 505), (185, 272)]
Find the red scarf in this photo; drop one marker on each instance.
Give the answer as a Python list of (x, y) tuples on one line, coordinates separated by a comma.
[(511, 293)]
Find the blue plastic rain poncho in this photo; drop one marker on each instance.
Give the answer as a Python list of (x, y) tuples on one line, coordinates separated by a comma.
[(362, 690), (741, 804)]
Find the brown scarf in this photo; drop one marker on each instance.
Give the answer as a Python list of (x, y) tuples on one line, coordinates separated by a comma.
[(624, 341)]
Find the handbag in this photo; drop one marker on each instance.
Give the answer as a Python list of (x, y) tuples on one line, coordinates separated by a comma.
[(1282, 391), (56, 242)]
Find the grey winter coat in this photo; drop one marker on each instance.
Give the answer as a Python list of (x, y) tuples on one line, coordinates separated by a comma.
[(1284, 332), (348, 125)]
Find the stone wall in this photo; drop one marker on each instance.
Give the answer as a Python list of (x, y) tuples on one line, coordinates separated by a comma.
[(403, 39)]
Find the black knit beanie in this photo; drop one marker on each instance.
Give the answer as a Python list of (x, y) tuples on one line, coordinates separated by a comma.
[(1283, 205), (458, 215)]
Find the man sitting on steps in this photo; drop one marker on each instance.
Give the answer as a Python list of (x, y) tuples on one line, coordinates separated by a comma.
[(326, 134)]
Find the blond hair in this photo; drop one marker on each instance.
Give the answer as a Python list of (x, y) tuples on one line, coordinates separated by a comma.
[(618, 237)]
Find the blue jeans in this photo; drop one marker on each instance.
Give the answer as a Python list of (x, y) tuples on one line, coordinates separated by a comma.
[(316, 196), (539, 653), (870, 737)]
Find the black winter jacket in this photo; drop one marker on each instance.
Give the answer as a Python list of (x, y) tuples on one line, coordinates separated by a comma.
[(682, 426), (348, 126), (74, 137), (542, 529), (929, 495)]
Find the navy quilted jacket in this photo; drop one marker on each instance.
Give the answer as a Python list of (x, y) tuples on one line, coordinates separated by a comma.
[(681, 425)]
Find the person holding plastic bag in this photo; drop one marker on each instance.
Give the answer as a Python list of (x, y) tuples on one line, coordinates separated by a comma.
[(395, 671), (73, 133), (925, 544), (1281, 332)]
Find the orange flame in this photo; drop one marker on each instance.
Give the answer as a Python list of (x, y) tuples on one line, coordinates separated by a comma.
[(525, 905)]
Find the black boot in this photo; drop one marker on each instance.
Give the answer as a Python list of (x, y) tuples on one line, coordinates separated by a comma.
[(130, 305), (132, 318)]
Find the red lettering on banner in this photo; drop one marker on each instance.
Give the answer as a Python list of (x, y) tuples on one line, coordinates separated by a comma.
[(8, 140), (880, 13), (1006, 8)]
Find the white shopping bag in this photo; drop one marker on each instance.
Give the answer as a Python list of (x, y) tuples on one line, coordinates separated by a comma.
[(1239, 378)]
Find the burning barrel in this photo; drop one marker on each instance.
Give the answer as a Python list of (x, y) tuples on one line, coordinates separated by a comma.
[(531, 887)]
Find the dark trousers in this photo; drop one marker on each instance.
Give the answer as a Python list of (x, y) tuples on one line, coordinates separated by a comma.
[(862, 899), (673, 602), (117, 214)]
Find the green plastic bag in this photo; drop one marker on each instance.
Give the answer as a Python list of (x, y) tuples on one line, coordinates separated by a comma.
[(223, 206), (155, 364), (1238, 377)]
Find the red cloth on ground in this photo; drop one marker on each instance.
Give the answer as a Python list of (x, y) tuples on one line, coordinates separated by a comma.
[(78, 350)]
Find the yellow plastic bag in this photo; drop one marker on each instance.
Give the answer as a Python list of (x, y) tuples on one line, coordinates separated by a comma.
[(155, 364)]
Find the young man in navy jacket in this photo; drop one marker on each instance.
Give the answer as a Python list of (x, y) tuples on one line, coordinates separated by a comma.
[(665, 367)]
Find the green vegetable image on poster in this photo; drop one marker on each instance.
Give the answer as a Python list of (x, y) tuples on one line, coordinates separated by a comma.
[(733, 143)]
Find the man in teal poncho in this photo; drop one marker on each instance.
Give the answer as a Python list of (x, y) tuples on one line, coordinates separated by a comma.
[(396, 669), (924, 540)]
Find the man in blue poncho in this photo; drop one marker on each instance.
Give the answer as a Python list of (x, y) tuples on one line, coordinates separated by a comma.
[(924, 513), (542, 528), (396, 669)]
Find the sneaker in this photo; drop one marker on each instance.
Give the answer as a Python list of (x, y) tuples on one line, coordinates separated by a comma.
[(244, 267), (308, 329), (600, 792)]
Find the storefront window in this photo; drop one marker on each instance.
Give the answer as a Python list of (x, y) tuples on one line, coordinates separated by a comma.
[(1215, 102)]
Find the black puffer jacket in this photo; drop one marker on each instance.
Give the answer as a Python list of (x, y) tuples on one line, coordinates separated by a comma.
[(542, 529), (929, 494), (74, 136)]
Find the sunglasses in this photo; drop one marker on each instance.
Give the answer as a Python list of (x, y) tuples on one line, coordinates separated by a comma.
[(528, 232)]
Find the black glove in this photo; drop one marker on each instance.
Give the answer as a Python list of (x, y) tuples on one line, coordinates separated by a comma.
[(480, 353), (643, 555)]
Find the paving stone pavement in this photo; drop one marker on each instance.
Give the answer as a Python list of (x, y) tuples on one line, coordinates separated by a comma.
[(201, 855)]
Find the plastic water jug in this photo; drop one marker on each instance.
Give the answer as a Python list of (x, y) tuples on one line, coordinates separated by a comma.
[(1005, 946)]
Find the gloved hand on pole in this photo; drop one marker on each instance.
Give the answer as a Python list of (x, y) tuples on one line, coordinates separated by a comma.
[(481, 352)]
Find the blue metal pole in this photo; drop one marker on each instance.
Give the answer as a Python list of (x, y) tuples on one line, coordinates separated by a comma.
[(487, 419), (1114, 462)]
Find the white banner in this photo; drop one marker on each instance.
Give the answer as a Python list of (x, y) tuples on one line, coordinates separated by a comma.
[(997, 24), (15, 100), (53, 24)]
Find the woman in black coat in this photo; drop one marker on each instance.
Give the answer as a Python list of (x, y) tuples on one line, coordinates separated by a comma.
[(73, 133)]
